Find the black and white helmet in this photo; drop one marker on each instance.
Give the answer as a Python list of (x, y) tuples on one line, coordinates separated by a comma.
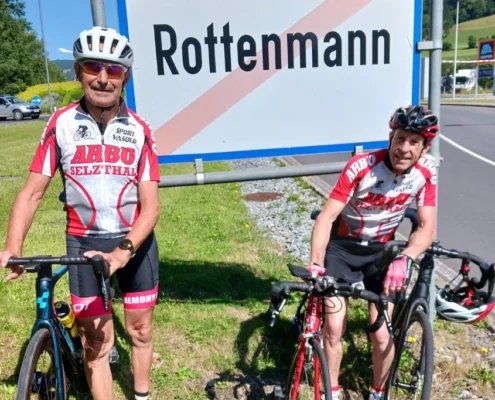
[(116, 47), (460, 306)]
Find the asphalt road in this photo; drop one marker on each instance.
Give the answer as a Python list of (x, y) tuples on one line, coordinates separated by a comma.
[(11, 121), (466, 211)]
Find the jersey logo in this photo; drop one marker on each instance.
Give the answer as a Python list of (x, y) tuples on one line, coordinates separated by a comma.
[(82, 133), (359, 165)]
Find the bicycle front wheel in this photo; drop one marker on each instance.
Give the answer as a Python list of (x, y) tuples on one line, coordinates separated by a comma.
[(411, 375), (309, 377), (38, 376)]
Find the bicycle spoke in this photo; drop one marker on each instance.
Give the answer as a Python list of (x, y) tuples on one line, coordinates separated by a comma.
[(409, 378)]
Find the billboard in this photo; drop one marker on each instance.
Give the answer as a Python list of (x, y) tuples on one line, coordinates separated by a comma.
[(223, 80), (485, 50)]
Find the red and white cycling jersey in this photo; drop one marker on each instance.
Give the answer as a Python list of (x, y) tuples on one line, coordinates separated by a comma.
[(100, 171), (376, 198)]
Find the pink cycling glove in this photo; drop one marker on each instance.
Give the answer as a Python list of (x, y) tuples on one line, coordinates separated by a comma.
[(398, 274), (316, 270)]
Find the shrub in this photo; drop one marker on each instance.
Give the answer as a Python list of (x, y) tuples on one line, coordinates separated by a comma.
[(447, 46), (472, 42), (67, 91), (45, 102)]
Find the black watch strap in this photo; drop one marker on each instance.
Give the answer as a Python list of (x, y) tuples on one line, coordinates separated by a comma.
[(126, 244)]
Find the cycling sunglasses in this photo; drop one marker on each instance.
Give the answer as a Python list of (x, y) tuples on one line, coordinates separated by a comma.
[(114, 71)]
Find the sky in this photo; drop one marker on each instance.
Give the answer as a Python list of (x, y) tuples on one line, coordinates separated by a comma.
[(63, 20)]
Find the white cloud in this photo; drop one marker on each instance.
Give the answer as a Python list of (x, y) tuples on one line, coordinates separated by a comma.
[(65, 50)]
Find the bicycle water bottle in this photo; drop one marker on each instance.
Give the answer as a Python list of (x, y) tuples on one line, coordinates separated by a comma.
[(66, 316)]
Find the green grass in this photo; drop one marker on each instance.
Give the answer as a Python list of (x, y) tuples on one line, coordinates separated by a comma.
[(216, 273), (481, 27)]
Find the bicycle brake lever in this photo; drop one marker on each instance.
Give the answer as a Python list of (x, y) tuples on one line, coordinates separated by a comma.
[(103, 289)]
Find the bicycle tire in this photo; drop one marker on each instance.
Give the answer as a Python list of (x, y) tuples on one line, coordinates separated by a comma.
[(426, 363), (321, 368), (39, 342)]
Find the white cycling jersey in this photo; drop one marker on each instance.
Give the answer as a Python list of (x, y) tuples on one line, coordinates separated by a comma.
[(376, 198), (100, 169)]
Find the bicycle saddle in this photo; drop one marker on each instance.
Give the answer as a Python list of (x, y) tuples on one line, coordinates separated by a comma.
[(299, 272)]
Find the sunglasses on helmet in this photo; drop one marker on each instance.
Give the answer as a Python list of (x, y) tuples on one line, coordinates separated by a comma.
[(114, 71)]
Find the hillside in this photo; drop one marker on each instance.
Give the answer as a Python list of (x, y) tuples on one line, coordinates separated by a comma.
[(67, 66), (480, 28)]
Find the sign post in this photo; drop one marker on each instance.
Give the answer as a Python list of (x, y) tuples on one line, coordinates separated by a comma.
[(486, 52)]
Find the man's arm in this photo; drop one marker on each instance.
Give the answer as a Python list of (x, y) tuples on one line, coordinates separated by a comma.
[(424, 236), (322, 228), (23, 210)]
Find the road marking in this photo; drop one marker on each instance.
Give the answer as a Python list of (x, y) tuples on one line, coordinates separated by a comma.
[(465, 150)]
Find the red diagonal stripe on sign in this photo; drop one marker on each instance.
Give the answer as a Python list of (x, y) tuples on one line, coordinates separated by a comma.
[(238, 84)]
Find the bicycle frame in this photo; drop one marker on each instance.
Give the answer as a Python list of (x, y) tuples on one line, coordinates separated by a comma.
[(419, 295), (46, 318), (313, 320)]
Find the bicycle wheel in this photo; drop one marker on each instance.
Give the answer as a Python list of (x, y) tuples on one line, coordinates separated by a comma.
[(412, 370), (38, 379), (309, 377)]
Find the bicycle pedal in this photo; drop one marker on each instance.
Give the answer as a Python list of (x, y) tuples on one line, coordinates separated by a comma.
[(114, 356), (278, 393)]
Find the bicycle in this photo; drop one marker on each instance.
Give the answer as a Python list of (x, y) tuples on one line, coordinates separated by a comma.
[(48, 334), (408, 311)]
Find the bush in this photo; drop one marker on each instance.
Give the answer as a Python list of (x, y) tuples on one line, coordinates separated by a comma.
[(472, 42), (447, 46), (67, 91), (45, 102), (493, 36)]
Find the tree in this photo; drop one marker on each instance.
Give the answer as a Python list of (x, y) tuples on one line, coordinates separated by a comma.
[(472, 42), (21, 53), (447, 46)]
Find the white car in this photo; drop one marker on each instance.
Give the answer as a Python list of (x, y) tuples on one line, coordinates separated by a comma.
[(11, 106)]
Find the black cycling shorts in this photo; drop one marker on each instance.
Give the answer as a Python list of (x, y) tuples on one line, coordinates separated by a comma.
[(343, 257), (138, 280)]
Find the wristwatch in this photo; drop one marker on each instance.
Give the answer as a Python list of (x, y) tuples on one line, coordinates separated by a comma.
[(126, 244)]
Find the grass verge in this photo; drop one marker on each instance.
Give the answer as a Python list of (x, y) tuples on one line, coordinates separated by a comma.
[(216, 272)]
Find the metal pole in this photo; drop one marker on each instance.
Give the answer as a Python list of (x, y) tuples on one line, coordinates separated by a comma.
[(253, 174), (455, 50), (476, 82), (98, 11), (46, 59), (434, 105)]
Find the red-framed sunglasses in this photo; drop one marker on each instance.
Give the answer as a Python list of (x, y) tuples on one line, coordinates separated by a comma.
[(114, 71)]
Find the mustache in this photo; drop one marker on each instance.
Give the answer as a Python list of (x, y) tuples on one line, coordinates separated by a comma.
[(107, 88)]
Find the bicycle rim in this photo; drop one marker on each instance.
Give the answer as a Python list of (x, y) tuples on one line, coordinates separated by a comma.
[(308, 377), (412, 370), (37, 378)]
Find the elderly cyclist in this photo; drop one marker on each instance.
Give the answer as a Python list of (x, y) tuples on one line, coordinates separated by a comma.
[(107, 159), (362, 213)]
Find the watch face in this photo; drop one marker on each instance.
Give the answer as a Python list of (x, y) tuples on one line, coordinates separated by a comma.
[(126, 244)]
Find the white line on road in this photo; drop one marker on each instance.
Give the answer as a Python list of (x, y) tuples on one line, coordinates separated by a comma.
[(471, 153)]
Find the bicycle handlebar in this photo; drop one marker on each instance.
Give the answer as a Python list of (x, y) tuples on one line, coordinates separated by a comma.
[(487, 270), (100, 268), (326, 286)]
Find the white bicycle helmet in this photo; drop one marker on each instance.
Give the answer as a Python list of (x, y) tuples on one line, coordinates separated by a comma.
[(116, 48), (451, 305)]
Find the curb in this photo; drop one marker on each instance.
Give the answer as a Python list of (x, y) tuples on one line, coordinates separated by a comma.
[(442, 271)]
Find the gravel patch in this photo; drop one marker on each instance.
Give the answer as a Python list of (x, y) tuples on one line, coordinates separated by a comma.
[(286, 220)]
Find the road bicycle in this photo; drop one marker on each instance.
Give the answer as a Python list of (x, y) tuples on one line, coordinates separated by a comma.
[(54, 352), (410, 328)]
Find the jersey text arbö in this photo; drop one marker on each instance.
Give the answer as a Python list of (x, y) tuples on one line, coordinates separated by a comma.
[(376, 198)]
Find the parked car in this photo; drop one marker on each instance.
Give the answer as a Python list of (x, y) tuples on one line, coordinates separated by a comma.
[(11, 106)]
